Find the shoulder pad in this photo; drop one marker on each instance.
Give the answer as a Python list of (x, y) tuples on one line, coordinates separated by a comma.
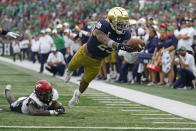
[(102, 25), (36, 100), (55, 94)]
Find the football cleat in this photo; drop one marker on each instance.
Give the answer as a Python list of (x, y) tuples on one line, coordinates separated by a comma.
[(74, 100), (68, 75)]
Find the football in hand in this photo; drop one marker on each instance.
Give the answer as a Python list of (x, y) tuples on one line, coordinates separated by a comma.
[(136, 44)]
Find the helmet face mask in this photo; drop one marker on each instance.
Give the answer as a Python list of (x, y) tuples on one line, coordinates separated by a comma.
[(45, 97), (121, 27), (119, 19)]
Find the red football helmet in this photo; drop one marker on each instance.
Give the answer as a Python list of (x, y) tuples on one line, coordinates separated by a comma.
[(43, 90)]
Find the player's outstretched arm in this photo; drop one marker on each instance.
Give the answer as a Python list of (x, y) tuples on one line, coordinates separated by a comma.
[(58, 107), (104, 39), (33, 110)]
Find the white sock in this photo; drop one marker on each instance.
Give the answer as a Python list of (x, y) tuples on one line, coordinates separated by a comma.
[(130, 76), (78, 92), (8, 87)]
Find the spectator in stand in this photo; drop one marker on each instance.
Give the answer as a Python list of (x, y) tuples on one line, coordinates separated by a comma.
[(187, 70), (59, 42), (158, 53), (44, 49), (68, 43), (35, 44), (49, 37), (185, 37), (24, 44), (83, 34), (16, 50), (83, 31), (168, 56), (128, 61), (176, 28), (60, 29), (152, 41), (150, 48), (55, 62)]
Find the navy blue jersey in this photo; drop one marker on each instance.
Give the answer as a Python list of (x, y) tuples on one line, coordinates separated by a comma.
[(171, 40), (101, 50), (83, 38), (151, 44), (160, 44)]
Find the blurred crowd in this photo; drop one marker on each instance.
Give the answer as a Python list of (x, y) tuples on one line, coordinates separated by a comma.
[(37, 14), (55, 30)]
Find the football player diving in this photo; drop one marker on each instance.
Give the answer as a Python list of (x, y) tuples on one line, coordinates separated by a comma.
[(7, 33), (107, 35), (43, 101)]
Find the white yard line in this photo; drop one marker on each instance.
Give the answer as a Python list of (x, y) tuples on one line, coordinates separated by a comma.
[(104, 97), (156, 118), (164, 104), (151, 114), (187, 123), (82, 127), (113, 102), (141, 110), (98, 95), (123, 104), (107, 99)]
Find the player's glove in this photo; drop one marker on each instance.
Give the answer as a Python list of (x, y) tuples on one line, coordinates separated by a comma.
[(12, 34), (123, 46), (53, 113), (60, 110)]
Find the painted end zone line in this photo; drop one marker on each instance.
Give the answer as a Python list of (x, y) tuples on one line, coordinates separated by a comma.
[(116, 128)]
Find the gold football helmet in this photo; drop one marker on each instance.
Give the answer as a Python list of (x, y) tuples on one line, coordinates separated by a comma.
[(119, 19)]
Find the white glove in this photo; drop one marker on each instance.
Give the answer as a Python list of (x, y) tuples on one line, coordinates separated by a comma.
[(53, 112), (12, 34)]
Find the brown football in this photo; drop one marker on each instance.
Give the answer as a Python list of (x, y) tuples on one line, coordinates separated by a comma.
[(136, 44)]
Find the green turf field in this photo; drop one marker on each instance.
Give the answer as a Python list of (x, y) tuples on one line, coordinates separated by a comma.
[(96, 109)]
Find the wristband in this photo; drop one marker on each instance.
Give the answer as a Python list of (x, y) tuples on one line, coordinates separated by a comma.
[(3, 32), (110, 43), (84, 32)]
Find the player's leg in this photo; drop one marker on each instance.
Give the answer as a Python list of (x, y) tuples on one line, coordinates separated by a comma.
[(76, 61), (8, 95), (15, 105), (91, 69)]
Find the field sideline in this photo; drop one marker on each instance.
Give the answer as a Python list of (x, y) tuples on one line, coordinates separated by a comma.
[(96, 110)]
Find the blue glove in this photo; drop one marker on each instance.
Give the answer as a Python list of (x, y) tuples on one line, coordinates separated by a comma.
[(60, 110)]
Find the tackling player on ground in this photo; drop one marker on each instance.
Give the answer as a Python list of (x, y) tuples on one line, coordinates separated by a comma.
[(43, 101), (108, 35)]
